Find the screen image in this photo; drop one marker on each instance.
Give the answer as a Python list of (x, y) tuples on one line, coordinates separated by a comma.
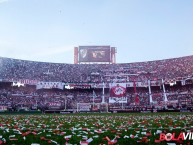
[(94, 53)]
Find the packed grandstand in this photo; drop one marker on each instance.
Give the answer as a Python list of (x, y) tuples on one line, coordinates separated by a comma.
[(32, 85)]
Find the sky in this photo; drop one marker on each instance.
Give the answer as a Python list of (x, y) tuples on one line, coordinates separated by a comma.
[(141, 30)]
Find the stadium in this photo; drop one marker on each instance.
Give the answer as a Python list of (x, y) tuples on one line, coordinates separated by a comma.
[(162, 85), (65, 92), (100, 72)]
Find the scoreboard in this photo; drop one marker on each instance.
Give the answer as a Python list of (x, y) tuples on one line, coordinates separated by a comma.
[(93, 54)]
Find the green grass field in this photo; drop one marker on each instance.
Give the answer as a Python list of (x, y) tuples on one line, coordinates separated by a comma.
[(109, 129)]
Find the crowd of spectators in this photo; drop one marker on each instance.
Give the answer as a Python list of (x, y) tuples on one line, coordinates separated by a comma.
[(44, 99), (78, 73), (29, 97)]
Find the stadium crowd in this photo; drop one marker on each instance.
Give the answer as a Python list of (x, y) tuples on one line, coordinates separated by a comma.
[(28, 97), (176, 68)]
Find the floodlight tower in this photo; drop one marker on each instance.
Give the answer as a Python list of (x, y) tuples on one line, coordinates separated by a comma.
[(103, 94), (148, 76), (164, 90)]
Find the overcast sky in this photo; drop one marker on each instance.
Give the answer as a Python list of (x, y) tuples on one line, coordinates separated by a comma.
[(142, 30)]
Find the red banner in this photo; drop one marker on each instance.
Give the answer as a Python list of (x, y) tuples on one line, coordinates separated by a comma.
[(118, 90)]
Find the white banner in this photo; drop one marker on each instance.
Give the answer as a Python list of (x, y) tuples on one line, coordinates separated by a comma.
[(50, 85), (3, 108), (54, 105), (99, 85), (117, 99), (84, 107), (24, 81), (143, 84)]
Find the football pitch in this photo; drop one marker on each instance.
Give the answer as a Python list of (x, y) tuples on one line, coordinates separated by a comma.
[(95, 129)]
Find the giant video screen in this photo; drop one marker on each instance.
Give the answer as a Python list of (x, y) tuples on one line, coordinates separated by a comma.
[(94, 53)]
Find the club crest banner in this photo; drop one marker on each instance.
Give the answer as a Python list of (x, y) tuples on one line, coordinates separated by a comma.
[(118, 90), (118, 93)]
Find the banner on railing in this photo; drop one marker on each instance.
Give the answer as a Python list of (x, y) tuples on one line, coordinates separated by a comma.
[(50, 85), (3, 108)]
